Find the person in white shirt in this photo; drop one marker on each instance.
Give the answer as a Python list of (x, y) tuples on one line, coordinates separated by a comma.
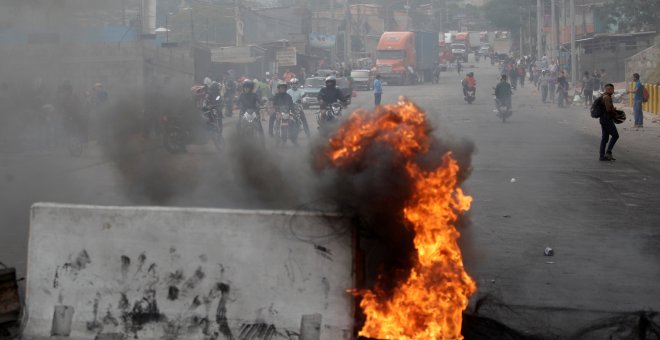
[(296, 93)]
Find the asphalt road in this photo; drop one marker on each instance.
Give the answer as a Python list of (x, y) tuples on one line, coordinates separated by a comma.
[(536, 182)]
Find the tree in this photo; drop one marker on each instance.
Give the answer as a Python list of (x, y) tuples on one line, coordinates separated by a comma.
[(634, 15), (503, 14)]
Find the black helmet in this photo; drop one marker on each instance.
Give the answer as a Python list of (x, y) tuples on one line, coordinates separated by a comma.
[(282, 84), (504, 77), (330, 81), (248, 84)]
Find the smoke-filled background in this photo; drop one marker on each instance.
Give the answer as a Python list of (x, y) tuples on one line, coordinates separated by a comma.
[(44, 47)]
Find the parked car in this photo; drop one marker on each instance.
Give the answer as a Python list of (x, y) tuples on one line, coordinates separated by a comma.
[(362, 79), (314, 84)]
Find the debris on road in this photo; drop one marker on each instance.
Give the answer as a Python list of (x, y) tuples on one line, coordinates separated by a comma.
[(549, 251)]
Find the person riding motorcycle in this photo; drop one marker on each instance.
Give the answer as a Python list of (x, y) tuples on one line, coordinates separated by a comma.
[(70, 111), (281, 99), (330, 94), (503, 92), (249, 101), (295, 91), (296, 94), (469, 82)]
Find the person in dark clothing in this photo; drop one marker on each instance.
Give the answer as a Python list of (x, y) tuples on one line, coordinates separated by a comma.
[(513, 75), (503, 92), (281, 101), (69, 109), (562, 90), (587, 89), (330, 94), (230, 92), (249, 101), (607, 126)]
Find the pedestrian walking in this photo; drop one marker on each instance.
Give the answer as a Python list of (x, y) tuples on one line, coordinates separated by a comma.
[(562, 90), (521, 74), (552, 85), (606, 116), (378, 90), (543, 85), (587, 89), (459, 67), (602, 76), (637, 101)]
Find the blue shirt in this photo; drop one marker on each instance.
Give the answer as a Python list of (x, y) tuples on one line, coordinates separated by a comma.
[(639, 93), (378, 86)]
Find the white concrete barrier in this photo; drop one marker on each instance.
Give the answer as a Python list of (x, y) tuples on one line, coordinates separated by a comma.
[(186, 273)]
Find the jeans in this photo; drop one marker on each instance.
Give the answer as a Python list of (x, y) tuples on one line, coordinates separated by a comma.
[(588, 97), (377, 98), (608, 129), (637, 110), (552, 88), (544, 92)]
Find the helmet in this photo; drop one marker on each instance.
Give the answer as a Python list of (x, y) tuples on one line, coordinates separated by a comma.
[(293, 81), (619, 117), (248, 84), (282, 84), (331, 80), (470, 74)]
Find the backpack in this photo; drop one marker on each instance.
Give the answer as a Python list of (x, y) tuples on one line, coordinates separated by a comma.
[(597, 108), (645, 94)]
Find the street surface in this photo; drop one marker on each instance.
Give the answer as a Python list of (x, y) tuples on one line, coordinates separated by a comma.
[(536, 182)]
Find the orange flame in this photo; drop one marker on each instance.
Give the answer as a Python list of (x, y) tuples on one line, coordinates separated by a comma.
[(429, 304)]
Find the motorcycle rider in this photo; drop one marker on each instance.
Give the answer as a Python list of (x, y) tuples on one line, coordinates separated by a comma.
[(503, 92), (70, 112), (296, 94), (469, 82), (281, 99), (249, 101), (230, 91), (330, 94)]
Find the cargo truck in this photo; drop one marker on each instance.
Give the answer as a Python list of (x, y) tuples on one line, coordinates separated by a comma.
[(398, 53)]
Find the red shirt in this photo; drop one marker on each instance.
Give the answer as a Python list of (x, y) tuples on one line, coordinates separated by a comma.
[(470, 82)]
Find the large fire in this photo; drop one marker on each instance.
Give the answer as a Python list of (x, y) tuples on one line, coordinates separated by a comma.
[(429, 304)]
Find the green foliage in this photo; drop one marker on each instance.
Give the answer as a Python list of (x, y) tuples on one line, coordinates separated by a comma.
[(634, 15), (503, 14)]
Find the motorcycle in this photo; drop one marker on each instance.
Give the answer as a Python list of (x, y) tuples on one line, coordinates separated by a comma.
[(249, 127), (329, 116), (285, 126), (503, 110), (298, 113), (178, 135), (470, 94)]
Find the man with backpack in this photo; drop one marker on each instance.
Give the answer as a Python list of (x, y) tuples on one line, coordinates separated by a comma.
[(603, 109), (639, 98)]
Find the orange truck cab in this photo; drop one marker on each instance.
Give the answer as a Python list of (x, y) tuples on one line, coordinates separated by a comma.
[(394, 53), (399, 52)]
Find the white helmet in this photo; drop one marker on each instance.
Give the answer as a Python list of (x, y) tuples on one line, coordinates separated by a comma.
[(293, 81)]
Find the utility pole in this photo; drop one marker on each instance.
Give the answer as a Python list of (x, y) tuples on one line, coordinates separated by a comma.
[(347, 33), (333, 31), (553, 53), (573, 51), (539, 29), (192, 26), (239, 23)]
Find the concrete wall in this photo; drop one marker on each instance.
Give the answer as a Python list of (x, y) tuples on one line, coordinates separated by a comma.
[(646, 63), (175, 273)]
